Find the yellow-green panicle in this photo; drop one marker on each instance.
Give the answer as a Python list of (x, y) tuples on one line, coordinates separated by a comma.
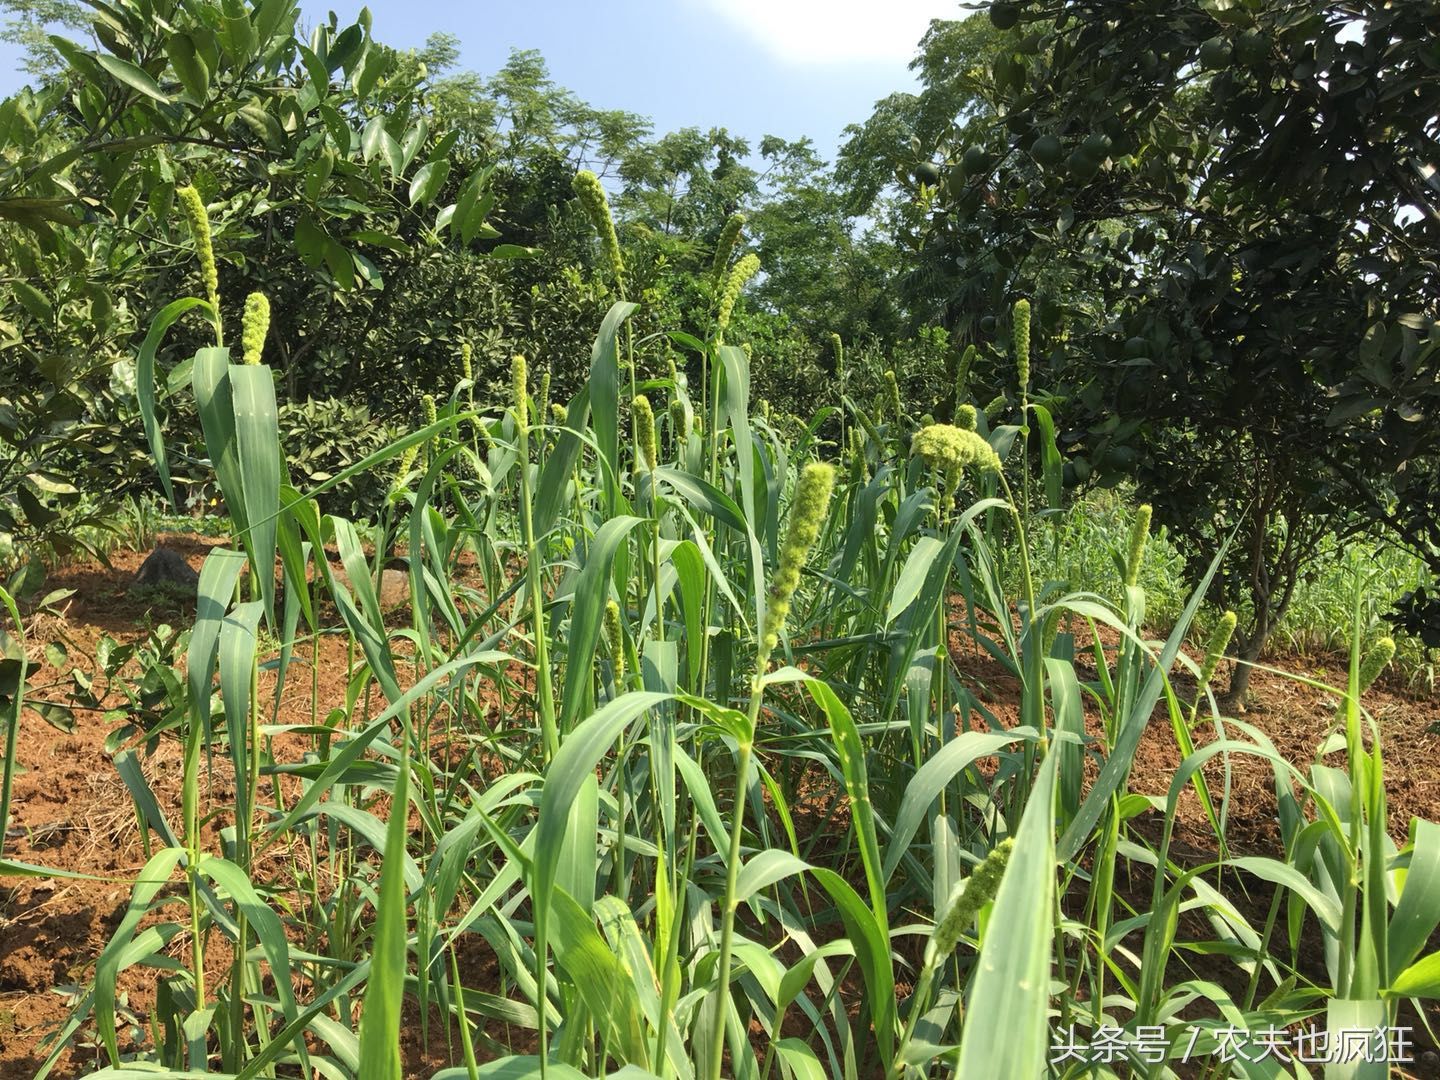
[(807, 514), (518, 384), (1216, 646), (596, 204), (198, 219), (725, 246), (254, 327), (740, 275), (1139, 536), (962, 375), (966, 902), (948, 448), (645, 442), (403, 467), (1376, 661), (615, 640), (892, 384), (1020, 331)]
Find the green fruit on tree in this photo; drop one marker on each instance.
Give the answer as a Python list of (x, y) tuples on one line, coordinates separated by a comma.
[(975, 160), (1252, 48), (955, 181), (1081, 165), (1004, 16), (1136, 346), (1121, 458), (1046, 150), (1096, 147), (1214, 53), (987, 324), (927, 173)]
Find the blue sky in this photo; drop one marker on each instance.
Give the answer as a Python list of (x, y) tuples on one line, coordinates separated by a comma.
[(758, 67)]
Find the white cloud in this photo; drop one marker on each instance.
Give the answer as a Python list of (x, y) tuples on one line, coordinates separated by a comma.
[(835, 31)]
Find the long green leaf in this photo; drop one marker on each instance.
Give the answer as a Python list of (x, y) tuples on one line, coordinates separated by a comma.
[(145, 385), (258, 444), (1006, 1032), (380, 1019)]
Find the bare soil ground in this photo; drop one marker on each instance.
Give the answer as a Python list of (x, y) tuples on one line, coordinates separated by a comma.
[(72, 812)]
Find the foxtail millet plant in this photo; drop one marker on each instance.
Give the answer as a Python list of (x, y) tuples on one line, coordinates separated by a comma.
[(725, 247), (254, 327), (198, 220), (740, 275), (808, 508), (1139, 538), (596, 205), (964, 905)]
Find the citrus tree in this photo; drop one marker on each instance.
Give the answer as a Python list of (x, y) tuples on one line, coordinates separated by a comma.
[(323, 171), (1231, 215)]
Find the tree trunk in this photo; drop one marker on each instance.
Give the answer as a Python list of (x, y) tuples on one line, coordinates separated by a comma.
[(1235, 698)]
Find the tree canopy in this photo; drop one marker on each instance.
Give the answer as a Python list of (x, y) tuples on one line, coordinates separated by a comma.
[(1229, 214)]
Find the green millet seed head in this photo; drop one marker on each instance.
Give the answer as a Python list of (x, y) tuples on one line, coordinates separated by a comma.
[(893, 385), (1020, 329), (1139, 536), (870, 432), (949, 449), (615, 640), (1376, 661), (995, 407), (765, 408), (193, 207), (403, 467), (596, 204), (467, 362), (743, 271), (966, 418), (962, 376), (672, 370), (559, 413), (254, 326), (677, 416), (1216, 646), (966, 902), (839, 347), (518, 383), (545, 390), (725, 246), (855, 453), (807, 514), (645, 442)]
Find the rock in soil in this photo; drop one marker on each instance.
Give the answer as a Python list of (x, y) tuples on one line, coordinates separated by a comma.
[(166, 567), (394, 590)]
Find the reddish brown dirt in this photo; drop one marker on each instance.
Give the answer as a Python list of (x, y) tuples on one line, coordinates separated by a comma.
[(71, 812)]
